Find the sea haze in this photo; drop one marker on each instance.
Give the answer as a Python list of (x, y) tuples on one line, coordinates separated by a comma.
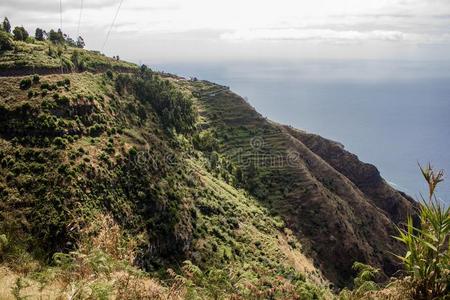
[(391, 114)]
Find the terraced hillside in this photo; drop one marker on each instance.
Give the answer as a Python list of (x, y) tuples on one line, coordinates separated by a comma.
[(83, 148), (340, 207), (118, 181)]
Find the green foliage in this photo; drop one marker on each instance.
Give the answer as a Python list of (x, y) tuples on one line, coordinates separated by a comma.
[(233, 283), (36, 78), (4, 244), (25, 84), (6, 42), (6, 26), (110, 74), (363, 282), (427, 257), (39, 34), (205, 141), (78, 60), (56, 37), (174, 108), (20, 34)]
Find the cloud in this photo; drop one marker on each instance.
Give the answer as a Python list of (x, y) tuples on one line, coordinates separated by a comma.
[(314, 35), (53, 6)]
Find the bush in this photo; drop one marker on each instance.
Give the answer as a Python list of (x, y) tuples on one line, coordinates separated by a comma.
[(36, 78), (6, 42), (59, 142), (6, 25), (39, 34), (109, 74), (20, 34), (4, 244), (96, 130), (25, 84)]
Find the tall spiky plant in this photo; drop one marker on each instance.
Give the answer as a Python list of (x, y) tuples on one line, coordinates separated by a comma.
[(427, 259)]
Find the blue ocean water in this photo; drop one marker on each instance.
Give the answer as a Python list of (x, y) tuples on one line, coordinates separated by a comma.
[(393, 115)]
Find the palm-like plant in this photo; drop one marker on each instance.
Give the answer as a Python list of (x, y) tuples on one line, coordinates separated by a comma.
[(427, 259)]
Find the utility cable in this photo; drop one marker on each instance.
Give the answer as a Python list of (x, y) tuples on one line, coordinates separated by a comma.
[(112, 25), (60, 14), (79, 18)]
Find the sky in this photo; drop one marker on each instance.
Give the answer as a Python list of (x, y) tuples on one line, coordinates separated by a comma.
[(162, 31)]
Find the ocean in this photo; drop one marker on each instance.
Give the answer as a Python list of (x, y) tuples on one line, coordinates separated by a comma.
[(391, 114)]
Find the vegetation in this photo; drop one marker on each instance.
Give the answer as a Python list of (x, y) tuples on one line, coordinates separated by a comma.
[(120, 148), (6, 26), (126, 183), (20, 34), (5, 41), (39, 34), (427, 259), (51, 50), (363, 283)]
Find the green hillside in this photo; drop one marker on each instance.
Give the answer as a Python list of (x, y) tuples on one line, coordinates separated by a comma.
[(119, 182), (78, 148)]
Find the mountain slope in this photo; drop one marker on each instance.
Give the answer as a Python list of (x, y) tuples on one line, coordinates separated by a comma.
[(340, 205), (188, 171), (89, 148)]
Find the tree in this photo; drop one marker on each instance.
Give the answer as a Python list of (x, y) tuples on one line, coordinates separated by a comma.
[(39, 35), (5, 41), (80, 42), (56, 37), (6, 25), (70, 41), (20, 34)]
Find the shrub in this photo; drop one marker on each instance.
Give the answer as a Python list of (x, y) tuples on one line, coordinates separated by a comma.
[(39, 34), (56, 37), (20, 34), (96, 130), (427, 257), (59, 142), (109, 74), (5, 41), (6, 25), (4, 244), (25, 84), (36, 78), (363, 282), (30, 94)]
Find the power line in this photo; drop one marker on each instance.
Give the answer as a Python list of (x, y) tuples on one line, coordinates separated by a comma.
[(79, 18), (112, 25), (60, 14)]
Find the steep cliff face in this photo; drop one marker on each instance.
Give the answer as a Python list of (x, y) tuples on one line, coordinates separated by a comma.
[(338, 205), (365, 176)]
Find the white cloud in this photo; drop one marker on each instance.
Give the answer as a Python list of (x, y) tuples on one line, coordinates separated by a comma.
[(328, 35), (234, 24)]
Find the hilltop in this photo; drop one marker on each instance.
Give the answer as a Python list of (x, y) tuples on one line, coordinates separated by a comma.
[(110, 169)]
